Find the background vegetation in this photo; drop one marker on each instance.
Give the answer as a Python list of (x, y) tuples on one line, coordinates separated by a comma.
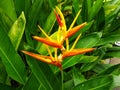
[(18, 22)]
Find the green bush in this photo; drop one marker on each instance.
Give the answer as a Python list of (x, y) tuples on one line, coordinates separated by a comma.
[(89, 71)]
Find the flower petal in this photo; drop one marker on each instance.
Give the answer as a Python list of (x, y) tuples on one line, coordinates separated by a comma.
[(58, 19), (74, 30), (76, 52), (46, 59), (49, 42)]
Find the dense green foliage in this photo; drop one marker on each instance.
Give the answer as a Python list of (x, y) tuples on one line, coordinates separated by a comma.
[(18, 23)]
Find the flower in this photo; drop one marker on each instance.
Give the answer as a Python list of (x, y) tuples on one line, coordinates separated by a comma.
[(62, 36)]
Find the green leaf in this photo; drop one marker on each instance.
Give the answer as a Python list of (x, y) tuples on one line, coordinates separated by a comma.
[(33, 14), (109, 38), (8, 7), (99, 83), (44, 74), (19, 6), (3, 73), (5, 21), (88, 59), (52, 3), (114, 70), (76, 8), (47, 28), (113, 54), (89, 40), (17, 30), (87, 66), (6, 87), (32, 83), (86, 8), (11, 60), (32, 18), (95, 9), (77, 76)]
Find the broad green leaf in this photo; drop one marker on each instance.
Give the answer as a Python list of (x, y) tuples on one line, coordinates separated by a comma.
[(11, 60), (6, 87), (76, 8), (19, 6), (17, 30), (8, 7), (95, 9), (52, 3), (3, 73), (99, 83), (88, 59), (77, 76), (32, 83), (88, 66), (71, 61), (113, 54), (86, 8), (89, 40), (44, 74), (114, 70), (99, 67), (5, 21), (33, 14), (32, 18), (68, 85), (109, 38), (68, 62)]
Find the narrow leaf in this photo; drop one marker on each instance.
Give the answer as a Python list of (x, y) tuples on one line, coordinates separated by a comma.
[(45, 76), (11, 60), (17, 30), (89, 40), (8, 7), (99, 83), (95, 9)]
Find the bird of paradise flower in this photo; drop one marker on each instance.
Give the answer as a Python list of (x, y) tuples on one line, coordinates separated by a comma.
[(62, 36)]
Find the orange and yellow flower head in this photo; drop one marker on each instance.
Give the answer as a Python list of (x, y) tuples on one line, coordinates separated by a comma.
[(58, 43)]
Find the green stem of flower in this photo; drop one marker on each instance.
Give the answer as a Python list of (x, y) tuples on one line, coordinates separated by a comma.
[(62, 78)]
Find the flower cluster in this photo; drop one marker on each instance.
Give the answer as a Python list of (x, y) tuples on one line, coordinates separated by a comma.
[(62, 36)]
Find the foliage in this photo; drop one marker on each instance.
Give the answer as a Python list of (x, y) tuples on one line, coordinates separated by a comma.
[(18, 23)]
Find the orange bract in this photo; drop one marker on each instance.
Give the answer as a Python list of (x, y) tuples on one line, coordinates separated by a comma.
[(47, 41), (58, 19), (76, 52), (46, 59), (74, 30)]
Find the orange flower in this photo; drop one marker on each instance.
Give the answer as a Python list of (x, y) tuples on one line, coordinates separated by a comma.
[(76, 52), (57, 43), (74, 30), (46, 59), (47, 41)]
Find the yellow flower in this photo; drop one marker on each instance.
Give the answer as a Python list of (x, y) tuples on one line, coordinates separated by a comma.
[(62, 35)]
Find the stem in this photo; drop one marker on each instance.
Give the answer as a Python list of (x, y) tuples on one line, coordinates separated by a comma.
[(62, 78)]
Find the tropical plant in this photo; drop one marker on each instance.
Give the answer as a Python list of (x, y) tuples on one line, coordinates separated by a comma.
[(75, 39)]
